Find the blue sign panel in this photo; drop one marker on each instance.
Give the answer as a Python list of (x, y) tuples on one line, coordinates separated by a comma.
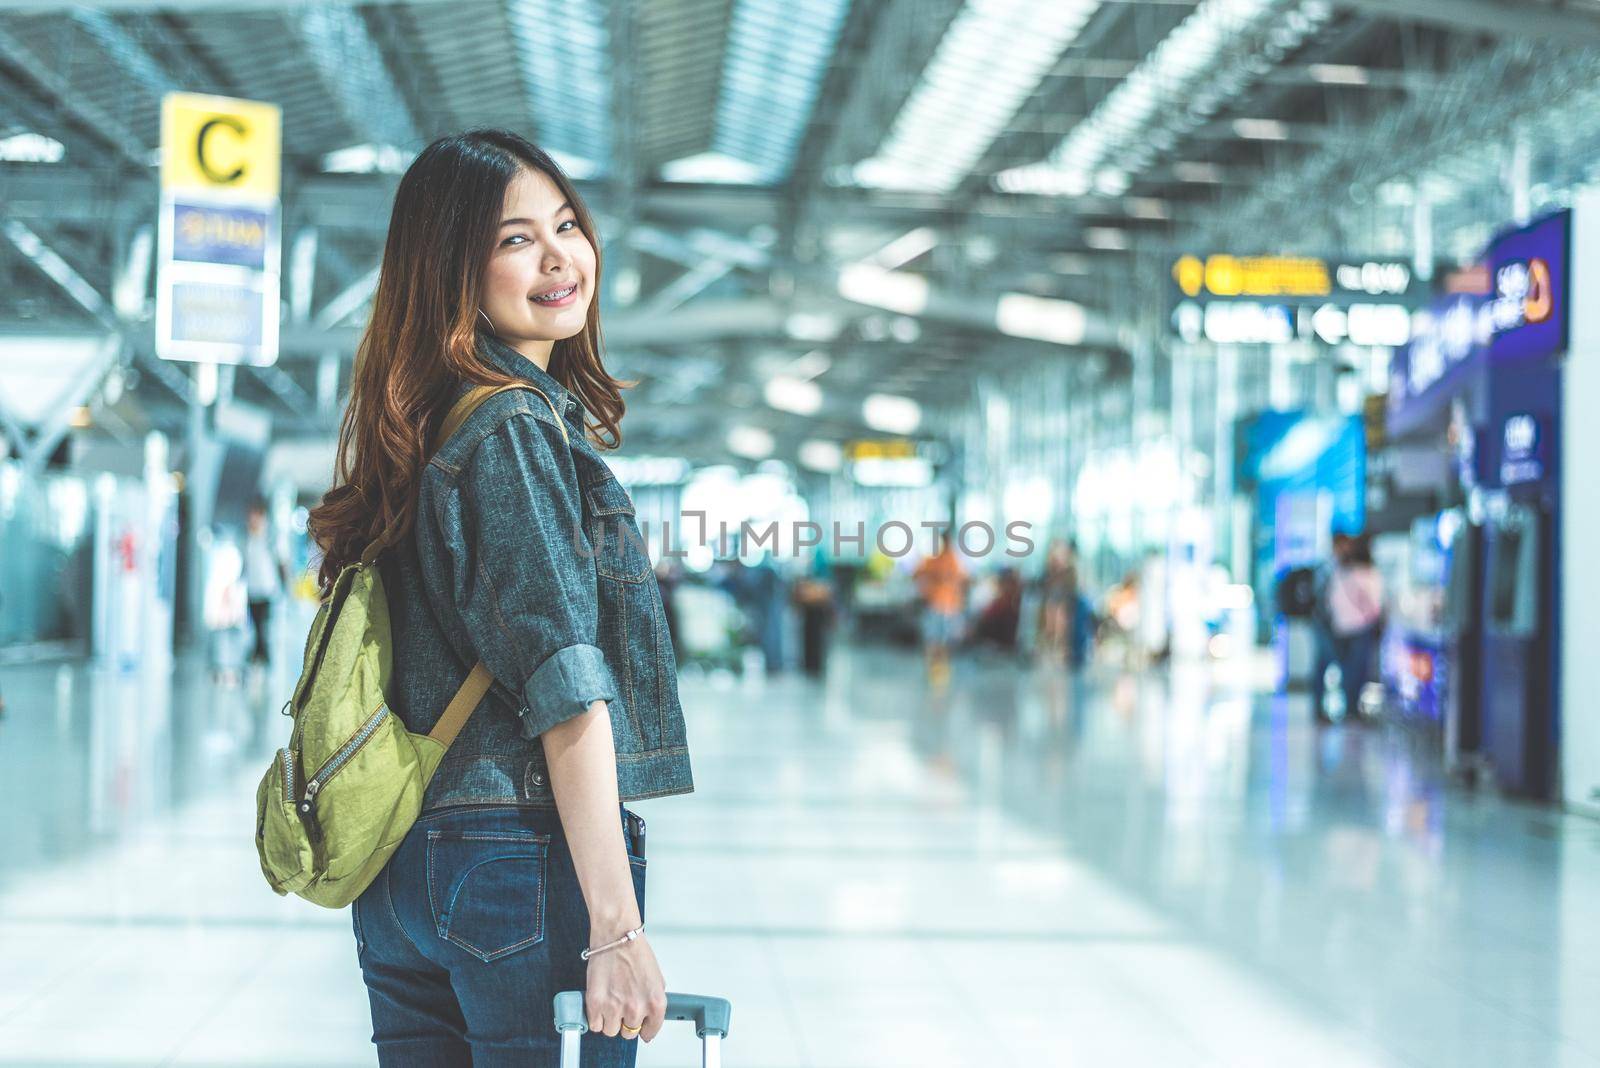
[(1522, 449), (1528, 310), (1449, 343), (203, 233)]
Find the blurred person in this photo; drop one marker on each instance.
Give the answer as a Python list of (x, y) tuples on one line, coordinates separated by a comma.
[(1322, 633), (1154, 639), (763, 596), (1086, 624), (497, 550), (1355, 615), (997, 623), (1058, 602), (772, 601), (1122, 615), (266, 576), (224, 606), (814, 596), (942, 581)]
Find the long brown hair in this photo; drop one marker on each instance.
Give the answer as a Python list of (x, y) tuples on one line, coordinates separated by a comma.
[(422, 338)]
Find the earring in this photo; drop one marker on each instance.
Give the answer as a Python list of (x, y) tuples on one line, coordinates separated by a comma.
[(487, 319)]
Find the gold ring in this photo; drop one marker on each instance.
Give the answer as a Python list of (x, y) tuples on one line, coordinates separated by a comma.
[(631, 1030)]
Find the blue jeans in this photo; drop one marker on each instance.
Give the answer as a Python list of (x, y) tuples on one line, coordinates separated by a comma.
[(470, 931), (1355, 653)]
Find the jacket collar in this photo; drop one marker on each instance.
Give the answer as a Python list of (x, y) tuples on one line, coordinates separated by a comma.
[(514, 363)]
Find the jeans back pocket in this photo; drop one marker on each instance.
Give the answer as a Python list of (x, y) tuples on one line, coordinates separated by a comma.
[(486, 889)]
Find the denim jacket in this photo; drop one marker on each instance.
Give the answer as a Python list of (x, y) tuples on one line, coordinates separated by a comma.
[(526, 554)]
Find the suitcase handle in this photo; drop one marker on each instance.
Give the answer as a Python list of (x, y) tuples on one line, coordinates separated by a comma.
[(710, 1015)]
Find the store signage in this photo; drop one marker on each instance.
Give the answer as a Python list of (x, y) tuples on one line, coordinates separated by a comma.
[(1528, 311), (1521, 450), (1223, 276), (880, 449), (1268, 300), (217, 271), (237, 236), (1247, 322), (1444, 336)]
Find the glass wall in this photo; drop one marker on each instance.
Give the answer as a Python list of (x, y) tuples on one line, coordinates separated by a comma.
[(46, 558)]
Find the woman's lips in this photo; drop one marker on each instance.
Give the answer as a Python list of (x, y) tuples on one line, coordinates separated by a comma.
[(571, 295)]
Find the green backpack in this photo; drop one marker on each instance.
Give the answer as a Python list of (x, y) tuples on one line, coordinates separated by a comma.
[(340, 797)]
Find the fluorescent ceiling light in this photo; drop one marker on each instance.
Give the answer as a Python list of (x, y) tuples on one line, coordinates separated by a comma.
[(824, 456), (988, 62), (366, 159), (31, 148), (905, 248), (812, 326), (892, 471), (711, 168), (1338, 74), (891, 414), (905, 329), (1040, 318), (1147, 208), (1042, 180), (751, 442), (1261, 129), (580, 168), (810, 365), (793, 395), (1197, 173), (1108, 238), (899, 291), (650, 470), (1112, 182)]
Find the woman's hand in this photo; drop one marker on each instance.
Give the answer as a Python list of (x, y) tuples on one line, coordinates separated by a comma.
[(625, 986)]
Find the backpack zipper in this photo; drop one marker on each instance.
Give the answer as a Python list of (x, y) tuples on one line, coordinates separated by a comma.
[(345, 754)]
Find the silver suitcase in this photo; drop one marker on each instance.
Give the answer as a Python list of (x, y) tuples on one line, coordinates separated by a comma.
[(710, 1016)]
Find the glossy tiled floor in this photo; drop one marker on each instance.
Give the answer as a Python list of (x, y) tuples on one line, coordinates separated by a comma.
[(1022, 869)]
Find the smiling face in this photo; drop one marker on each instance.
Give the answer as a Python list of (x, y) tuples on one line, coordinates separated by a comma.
[(541, 272)]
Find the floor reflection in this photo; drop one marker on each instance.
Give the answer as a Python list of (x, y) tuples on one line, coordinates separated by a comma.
[(1081, 869)]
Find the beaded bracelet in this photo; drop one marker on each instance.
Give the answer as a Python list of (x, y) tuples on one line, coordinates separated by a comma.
[(628, 936)]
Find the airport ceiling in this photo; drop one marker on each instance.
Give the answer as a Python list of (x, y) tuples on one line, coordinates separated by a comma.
[(743, 155)]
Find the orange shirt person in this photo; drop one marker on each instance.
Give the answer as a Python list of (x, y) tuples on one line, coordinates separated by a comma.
[(942, 580)]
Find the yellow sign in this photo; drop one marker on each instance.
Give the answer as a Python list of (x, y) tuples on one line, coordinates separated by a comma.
[(1253, 276), (220, 146), (880, 449)]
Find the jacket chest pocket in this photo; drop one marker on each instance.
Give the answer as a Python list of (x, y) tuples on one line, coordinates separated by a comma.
[(619, 549)]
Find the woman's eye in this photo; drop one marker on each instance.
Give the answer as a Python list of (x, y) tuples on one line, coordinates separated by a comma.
[(513, 237)]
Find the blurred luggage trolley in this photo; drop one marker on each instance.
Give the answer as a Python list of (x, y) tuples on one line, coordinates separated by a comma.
[(710, 1016)]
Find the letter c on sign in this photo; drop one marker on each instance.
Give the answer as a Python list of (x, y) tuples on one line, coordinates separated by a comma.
[(220, 177)]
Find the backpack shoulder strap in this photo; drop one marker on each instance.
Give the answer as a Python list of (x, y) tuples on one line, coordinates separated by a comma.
[(470, 401), (461, 705), (459, 413)]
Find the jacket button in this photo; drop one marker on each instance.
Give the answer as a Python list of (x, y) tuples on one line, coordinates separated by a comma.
[(538, 780)]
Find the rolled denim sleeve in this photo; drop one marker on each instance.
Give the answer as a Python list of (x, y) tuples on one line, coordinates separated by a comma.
[(522, 572)]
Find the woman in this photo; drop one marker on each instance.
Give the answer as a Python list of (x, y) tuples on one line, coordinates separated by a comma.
[(519, 548), (1355, 614), (1058, 602)]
